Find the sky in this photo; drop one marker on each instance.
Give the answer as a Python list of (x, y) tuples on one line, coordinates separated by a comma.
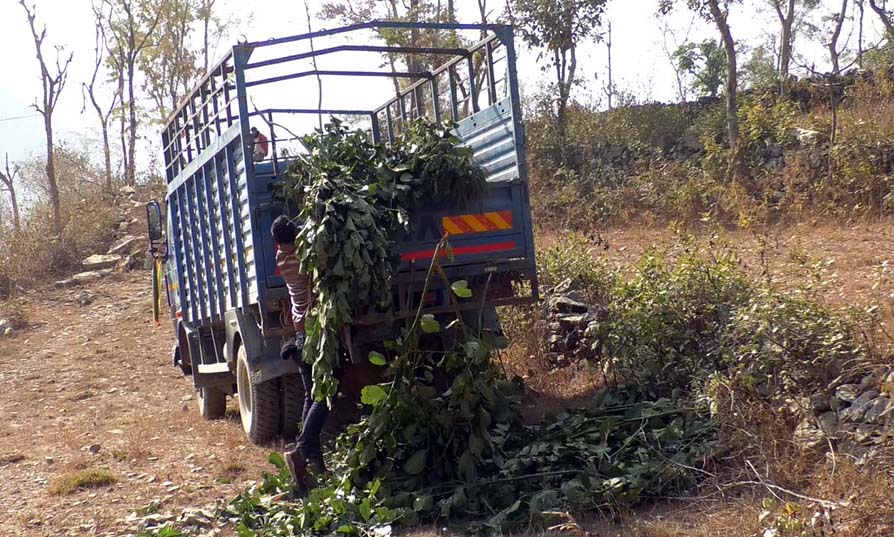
[(640, 65)]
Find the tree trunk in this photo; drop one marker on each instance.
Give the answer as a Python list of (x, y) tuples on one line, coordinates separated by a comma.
[(14, 202), (130, 172), (834, 53), (107, 152), (886, 19), (787, 21), (732, 77), (51, 176), (610, 91), (206, 21)]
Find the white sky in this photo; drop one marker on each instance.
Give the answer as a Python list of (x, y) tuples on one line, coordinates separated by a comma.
[(640, 65)]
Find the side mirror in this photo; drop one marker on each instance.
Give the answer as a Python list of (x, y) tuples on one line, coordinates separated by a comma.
[(153, 221)]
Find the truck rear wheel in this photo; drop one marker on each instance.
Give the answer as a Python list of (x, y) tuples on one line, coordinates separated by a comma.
[(212, 403), (259, 402), (292, 405)]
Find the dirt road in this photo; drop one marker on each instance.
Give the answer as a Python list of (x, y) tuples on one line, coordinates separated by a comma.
[(97, 377)]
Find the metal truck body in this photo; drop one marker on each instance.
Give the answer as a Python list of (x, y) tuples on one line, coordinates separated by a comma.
[(226, 300)]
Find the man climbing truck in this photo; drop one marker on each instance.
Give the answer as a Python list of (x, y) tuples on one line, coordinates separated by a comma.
[(216, 258)]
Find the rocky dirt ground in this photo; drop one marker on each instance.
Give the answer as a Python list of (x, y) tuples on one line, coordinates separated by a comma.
[(88, 385)]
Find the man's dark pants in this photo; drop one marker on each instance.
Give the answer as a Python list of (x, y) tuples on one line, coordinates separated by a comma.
[(313, 419)]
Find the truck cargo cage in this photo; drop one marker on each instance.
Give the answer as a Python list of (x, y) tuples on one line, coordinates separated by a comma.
[(220, 198)]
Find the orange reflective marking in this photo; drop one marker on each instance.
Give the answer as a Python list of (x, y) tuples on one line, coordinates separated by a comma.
[(477, 223)]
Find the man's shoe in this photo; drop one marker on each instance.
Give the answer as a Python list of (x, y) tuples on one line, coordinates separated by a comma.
[(288, 349), (297, 467)]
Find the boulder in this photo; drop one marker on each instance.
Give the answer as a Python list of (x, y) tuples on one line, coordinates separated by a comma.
[(100, 261), (84, 298), (808, 436), (564, 304), (196, 517), (807, 136), (572, 340), (556, 343), (828, 423), (820, 402), (124, 246), (859, 406), (84, 277), (131, 262), (847, 392), (572, 321), (876, 409)]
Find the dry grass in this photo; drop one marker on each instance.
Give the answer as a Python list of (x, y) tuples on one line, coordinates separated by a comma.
[(84, 479), (134, 448), (229, 471), (31, 256)]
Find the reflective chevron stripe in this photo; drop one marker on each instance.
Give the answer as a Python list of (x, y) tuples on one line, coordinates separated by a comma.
[(465, 224)]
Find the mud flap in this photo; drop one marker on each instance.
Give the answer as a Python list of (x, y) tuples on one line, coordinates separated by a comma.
[(261, 352)]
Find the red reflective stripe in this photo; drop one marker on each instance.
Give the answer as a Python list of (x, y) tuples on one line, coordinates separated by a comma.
[(462, 250)]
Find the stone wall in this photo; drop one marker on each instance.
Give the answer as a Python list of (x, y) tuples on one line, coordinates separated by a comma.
[(853, 418)]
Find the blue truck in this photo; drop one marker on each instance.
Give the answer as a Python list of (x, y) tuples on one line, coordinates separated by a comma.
[(215, 257)]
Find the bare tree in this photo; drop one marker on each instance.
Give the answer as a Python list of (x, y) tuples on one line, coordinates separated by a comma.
[(669, 48), (834, 52), (169, 65), (314, 59), (104, 113), (717, 11), (130, 25), (610, 87), (789, 12), (786, 21), (8, 180), (53, 83), (886, 17), (861, 5), (557, 28), (206, 12)]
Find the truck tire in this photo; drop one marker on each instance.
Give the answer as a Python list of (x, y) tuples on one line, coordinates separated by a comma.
[(259, 404), (292, 393), (212, 403)]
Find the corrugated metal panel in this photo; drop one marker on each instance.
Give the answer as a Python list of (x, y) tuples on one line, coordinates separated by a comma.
[(215, 250), (491, 136)]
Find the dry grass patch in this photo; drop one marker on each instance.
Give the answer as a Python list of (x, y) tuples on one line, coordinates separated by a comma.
[(134, 447), (11, 458), (229, 471), (83, 479)]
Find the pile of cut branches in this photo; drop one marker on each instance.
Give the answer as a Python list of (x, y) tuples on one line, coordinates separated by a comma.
[(443, 439), (356, 198)]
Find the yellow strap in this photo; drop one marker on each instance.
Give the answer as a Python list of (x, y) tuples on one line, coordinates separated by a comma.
[(158, 283)]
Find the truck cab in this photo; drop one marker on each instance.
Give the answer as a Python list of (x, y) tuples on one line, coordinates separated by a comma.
[(215, 256)]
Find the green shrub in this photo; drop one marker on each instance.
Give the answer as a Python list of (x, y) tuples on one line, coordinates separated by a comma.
[(667, 321), (788, 344), (571, 262), (685, 317)]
